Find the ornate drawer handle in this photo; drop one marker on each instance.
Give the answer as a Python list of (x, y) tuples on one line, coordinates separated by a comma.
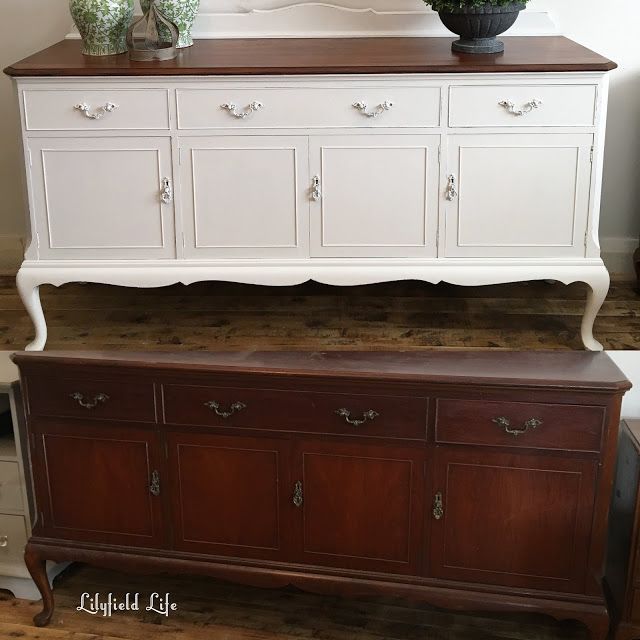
[(452, 192), (99, 113), (367, 415), (234, 408), (297, 494), (232, 108), (363, 108), (154, 487), (316, 192), (438, 506), (527, 108), (166, 194), (505, 423), (99, 398), (4, 541)]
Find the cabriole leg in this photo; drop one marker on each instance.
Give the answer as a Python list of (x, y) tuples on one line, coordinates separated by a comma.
[(595, 299), (37, 567), (30, 296)]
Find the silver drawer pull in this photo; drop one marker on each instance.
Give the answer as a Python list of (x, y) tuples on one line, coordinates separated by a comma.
[(527, 108), (316, 191), (166, 193), (451, 192), (234, 408), (4, 541), (363, 108), (99, 113), (367, 415), (505, 423), (232, 108), (99, 398)]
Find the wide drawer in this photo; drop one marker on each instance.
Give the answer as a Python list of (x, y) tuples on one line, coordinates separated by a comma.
[(125, 400), (513, 106), (10, 488), (307, 108), (519, 424), (13, 538), (60, 109), (342, 414)]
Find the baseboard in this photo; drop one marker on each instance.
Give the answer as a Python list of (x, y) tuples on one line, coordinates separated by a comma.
[(617, 254), (11, 253)]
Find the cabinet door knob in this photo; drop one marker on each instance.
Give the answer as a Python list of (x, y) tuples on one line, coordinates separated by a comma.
[(505, 423), (297, 494), (232, 108), (367, 415), (216, 407), (4, 541), (166, 192), (526, 108), (99, 398), (452, 191), (438, 506), (363, 108), (154, 486), (99, 113)]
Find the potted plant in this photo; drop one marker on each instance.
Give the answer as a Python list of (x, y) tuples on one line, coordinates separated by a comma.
[(478, 22)]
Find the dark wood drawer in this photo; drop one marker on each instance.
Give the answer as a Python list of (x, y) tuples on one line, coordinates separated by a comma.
[(125, 400), (519, 424), (392, 417)]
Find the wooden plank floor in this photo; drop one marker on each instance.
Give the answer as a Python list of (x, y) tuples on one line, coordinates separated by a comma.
[(212, 610), (406, 315)]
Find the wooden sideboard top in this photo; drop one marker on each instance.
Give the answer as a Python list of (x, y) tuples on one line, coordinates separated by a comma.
[(280, 56), (566, 370)]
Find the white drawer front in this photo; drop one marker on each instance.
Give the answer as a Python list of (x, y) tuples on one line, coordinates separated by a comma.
[(10, 491), (523, 106), (95, 110), (308, 108), (13, 538)]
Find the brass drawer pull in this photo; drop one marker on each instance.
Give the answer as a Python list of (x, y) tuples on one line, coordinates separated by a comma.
[(154, 487), (438, 506), (367, 415), (234, 408), (4, 541), (297, 494), (99, 398), (505, 423)]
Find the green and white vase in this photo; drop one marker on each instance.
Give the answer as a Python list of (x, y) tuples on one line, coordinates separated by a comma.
[(182, 13), (102, 25)]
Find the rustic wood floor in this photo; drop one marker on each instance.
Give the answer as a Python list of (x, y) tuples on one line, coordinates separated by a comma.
[(407, 315), (212, 610)]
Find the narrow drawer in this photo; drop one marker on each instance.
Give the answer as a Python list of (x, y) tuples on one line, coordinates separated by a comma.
[(308, 108), (93, 399), (10, 489), (512, 106), (519, 424), (13, 538), (52, 110), (342, 414)]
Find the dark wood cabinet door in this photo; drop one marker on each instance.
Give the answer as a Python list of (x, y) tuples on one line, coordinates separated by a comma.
[(515, 520), (230, 495), (360, 506), (94, 483)]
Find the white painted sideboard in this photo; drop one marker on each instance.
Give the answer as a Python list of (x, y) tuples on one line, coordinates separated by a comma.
[(468, 177)]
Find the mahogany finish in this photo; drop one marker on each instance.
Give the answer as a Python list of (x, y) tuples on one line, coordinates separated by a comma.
[(330, 506), (318, 56)]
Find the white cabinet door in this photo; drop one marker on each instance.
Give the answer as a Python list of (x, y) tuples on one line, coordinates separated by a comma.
[(377, 195), (245, 196), (101, 198), (517, 195)]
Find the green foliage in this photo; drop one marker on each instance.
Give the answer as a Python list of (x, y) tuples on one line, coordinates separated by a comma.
[(453, 5)]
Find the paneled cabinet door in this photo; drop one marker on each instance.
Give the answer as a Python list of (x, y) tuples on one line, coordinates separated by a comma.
[(99, 484), (230, 495), (517, 195), (245, 196), (513, 520), (359, 506), (103, 197), (374, 196)]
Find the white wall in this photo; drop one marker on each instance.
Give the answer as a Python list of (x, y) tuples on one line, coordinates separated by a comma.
[(609, 28)]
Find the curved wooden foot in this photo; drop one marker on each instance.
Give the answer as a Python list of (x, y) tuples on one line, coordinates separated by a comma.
[(595, 299), (30, 296), (37, 567)]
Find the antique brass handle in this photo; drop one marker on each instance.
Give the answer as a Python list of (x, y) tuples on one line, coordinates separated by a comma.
[(297, 494), (367, 415), (505, 423), (438, 506), (99, 398), (4, 541), (154, 487), (234, 408)]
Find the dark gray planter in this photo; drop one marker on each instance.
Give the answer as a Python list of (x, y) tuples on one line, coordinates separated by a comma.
[(479, 26)]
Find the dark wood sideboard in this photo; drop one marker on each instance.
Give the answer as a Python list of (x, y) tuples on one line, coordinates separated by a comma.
[(477, 481)]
